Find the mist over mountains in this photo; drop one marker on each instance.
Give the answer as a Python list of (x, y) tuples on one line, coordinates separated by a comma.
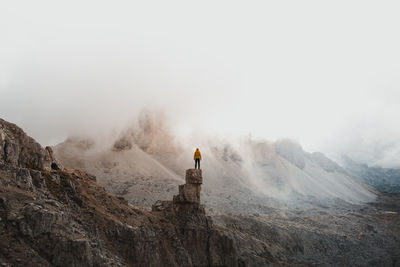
[(293, 104), (146, 160), (384, 179), (54, 215), (268, 74)]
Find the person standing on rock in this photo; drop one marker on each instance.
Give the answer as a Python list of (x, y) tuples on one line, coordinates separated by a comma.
[(197, 158)]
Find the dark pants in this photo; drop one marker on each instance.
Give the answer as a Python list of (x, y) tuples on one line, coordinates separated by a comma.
[(196, 162)]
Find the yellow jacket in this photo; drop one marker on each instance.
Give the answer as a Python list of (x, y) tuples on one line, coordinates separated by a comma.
[(197, 154)]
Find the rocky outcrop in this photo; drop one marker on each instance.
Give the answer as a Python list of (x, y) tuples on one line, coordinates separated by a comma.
[(190, 192), (64, 218), (19, 150), (150, 133), (291, 151), (206, 245)]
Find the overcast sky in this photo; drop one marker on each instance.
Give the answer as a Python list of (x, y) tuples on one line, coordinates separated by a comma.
[(326, 73)]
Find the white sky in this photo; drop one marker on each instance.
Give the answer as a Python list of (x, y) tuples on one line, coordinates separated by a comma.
[(324, 72)]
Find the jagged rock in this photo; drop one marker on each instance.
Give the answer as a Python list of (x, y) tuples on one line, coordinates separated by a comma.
[(64, 218), (162, 205), (20, 150), (37, 179), (203, 243), (190, 192), (194, 176), (153, 135), (122, 143), (17, 177), (63, 232)]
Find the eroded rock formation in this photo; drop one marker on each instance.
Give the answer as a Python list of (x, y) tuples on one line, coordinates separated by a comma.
[(203, 242), (190, 192), (19, 150), (64, 218)]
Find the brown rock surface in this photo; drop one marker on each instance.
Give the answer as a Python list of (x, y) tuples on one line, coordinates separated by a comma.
[(194, 176), (190, 192), (64, 218), (19, 150)]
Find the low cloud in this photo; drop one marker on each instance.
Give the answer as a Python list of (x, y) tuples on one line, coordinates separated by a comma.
[(83, 69)]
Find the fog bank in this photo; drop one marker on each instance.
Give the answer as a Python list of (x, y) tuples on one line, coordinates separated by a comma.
[(325, 74)]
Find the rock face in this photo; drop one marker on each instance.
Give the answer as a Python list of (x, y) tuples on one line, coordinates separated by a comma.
[(206, 245), (64, 218), (150, 134), (19, 150), (190, 192), (366, 236)]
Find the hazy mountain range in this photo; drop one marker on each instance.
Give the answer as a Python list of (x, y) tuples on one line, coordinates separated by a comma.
[(384, 179), (54, 215), (146, 162)]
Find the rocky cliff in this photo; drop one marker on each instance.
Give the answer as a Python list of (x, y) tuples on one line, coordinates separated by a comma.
[(62, 217), (20, 150)]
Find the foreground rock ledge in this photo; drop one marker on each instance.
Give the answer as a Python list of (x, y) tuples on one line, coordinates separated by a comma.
[(206, 245), (62, 217)]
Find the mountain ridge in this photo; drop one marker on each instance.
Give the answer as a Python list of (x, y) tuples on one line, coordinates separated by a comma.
[(63, 217), (246, 171)]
